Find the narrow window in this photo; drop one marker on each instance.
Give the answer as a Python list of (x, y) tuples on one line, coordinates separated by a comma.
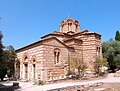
[(98, 51), (56, 56), (25, 59)]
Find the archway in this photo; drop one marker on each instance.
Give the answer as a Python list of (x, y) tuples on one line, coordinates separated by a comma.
[(26, 70), (34, 71), (26, 67)]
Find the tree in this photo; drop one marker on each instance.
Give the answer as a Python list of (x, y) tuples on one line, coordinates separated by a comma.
[(79, 64), (7, 59), (117, 36), (10, 55), (111, 51), (3, 69), (98, 64), (1, 46), (1, 38)]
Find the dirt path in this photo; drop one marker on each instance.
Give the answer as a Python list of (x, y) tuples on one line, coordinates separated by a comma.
[(27, 86)]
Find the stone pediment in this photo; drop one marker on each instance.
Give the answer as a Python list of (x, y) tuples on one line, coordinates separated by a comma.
[(54, 41), (49, 41)]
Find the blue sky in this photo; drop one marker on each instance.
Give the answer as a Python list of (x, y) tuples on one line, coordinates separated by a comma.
[(25, 21)]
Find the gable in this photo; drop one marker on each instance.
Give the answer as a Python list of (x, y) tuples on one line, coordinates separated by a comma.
[(72, 41), (54, 42)]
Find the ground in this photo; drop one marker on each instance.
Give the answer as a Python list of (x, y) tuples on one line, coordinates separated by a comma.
[(28, 86)]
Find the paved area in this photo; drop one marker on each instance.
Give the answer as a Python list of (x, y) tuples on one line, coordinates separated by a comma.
[(27, 86)]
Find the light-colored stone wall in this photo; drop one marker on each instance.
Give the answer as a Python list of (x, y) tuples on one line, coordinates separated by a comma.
[(84, 45), (59, 70), (46, 69), (31, 53), (76, 52), (86, 49), (98, 44), (69, 25), (89, 46)]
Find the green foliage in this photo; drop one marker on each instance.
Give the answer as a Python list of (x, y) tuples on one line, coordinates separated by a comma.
[(111, 51), (10, 55), (78, 64), (3, 71), (117, 36), (7, 58), (39, 82), (73, 63), (117, 60), (1, 37), (3, 67), (99, 63)]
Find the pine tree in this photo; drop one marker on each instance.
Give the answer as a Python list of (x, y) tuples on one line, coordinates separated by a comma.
[(117, 36)]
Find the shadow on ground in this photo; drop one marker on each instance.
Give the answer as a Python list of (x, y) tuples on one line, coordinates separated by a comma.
[(8, 88)]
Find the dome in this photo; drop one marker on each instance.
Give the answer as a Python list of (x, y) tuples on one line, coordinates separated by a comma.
[(69, 24)]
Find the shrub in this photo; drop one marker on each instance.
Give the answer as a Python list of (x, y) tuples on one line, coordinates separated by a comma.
[(3, 72), (39, 82)]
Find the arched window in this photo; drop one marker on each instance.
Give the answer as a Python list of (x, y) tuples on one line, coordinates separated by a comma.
[(56, 55), (33, 60), (26, 59), (98, 51), (69, 26)]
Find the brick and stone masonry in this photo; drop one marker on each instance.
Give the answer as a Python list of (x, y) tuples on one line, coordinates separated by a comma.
[(48, 58)]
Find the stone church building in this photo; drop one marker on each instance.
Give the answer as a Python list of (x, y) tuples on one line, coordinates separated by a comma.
[(48, 58)]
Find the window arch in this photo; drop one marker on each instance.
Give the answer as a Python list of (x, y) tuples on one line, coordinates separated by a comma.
[(25, 57), (33, 60), (56, 55)]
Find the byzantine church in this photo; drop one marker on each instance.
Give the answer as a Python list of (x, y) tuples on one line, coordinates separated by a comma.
[(49, 58)]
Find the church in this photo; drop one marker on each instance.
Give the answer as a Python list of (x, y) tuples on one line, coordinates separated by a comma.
[(48, 58)]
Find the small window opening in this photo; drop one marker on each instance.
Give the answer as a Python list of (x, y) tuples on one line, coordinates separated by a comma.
[(56, 56), (98, 50)]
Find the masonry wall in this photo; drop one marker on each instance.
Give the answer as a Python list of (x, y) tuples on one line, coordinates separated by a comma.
[(99, 44), (33, 52), (54, 71), (89, 50), (76, 51)]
